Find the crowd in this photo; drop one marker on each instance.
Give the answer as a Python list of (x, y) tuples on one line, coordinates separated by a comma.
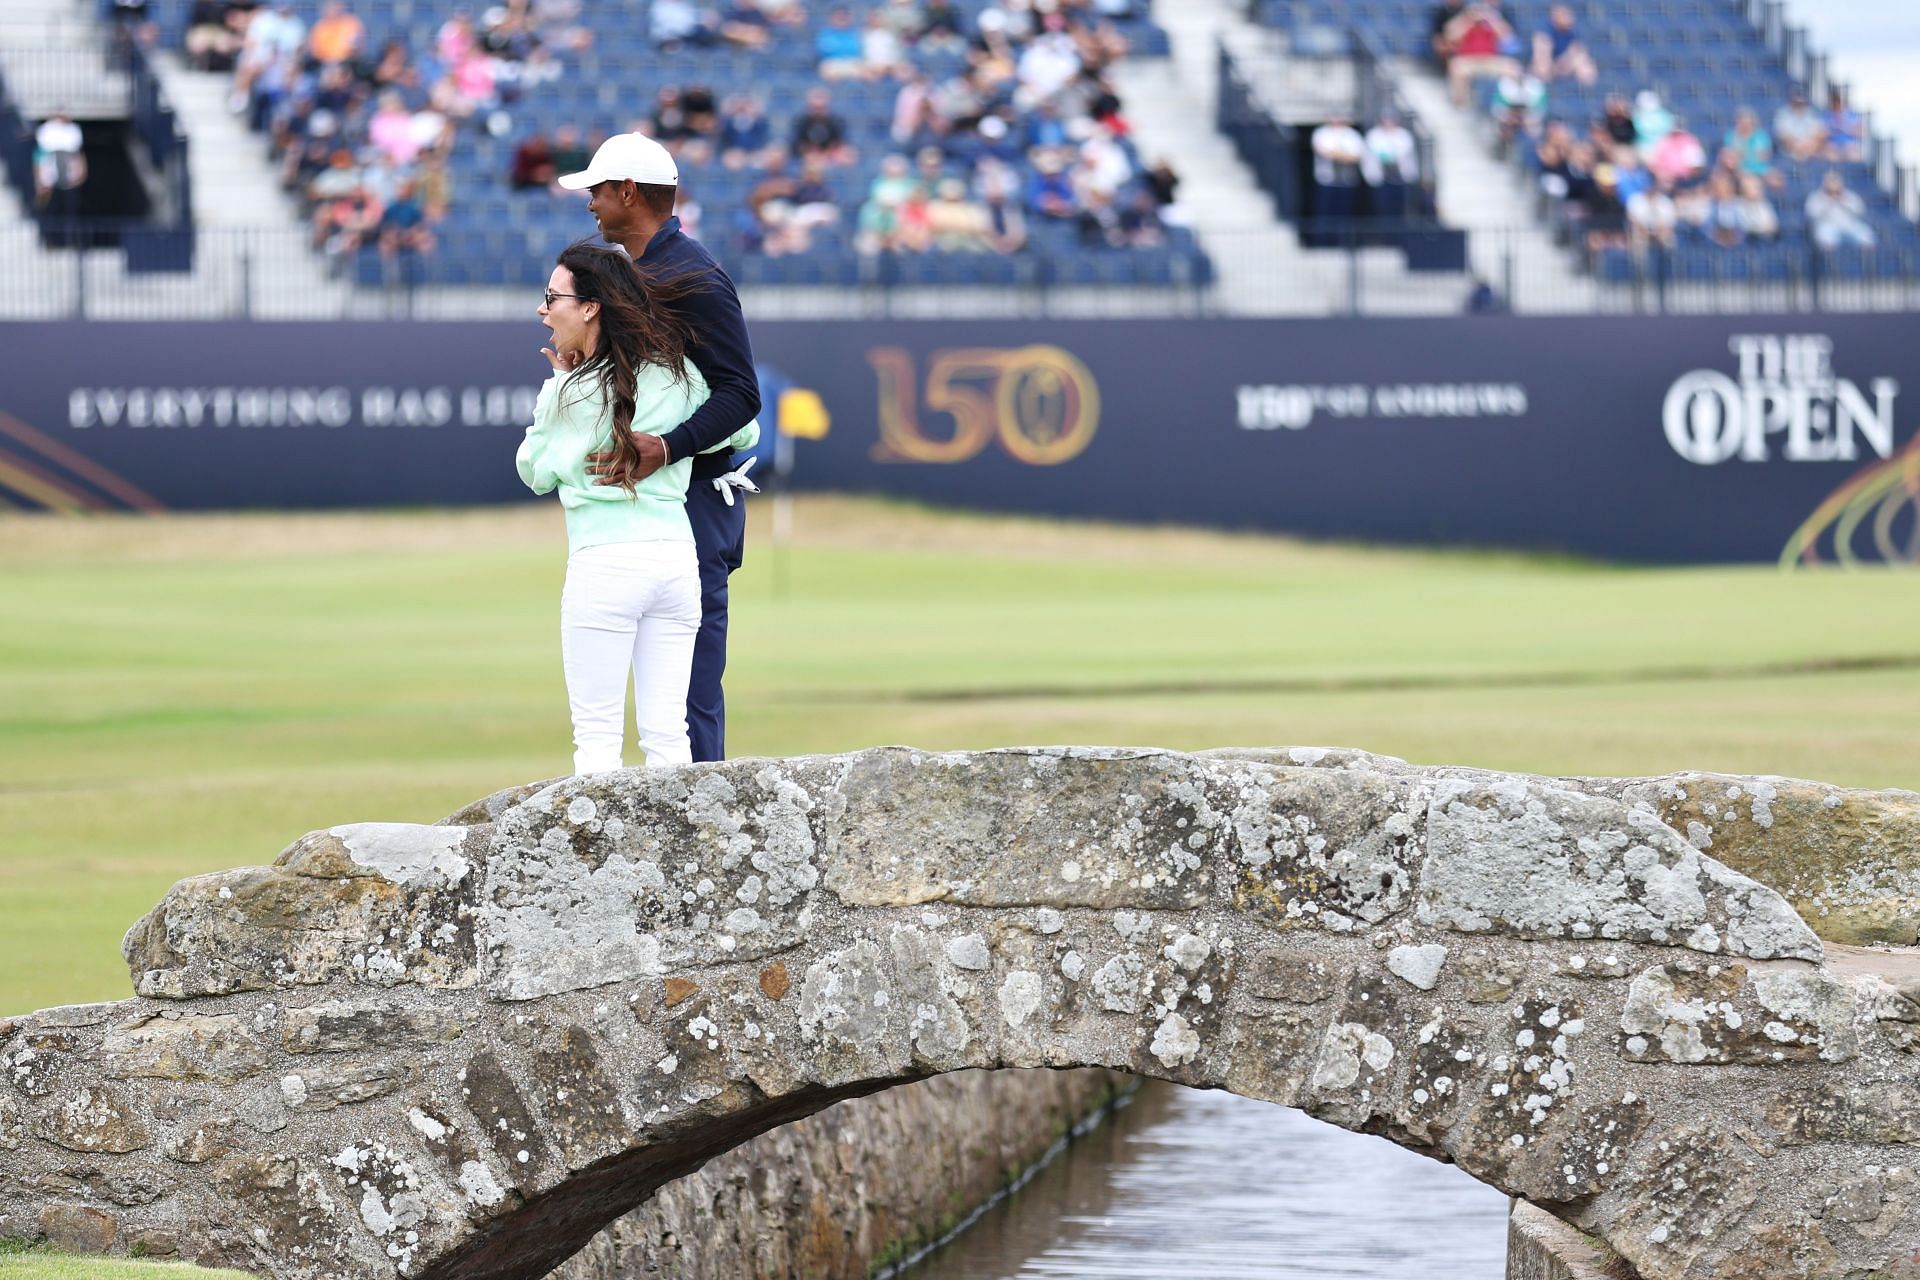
[(1011, 122), (1639, 176), (1020, 126), (361, 133)]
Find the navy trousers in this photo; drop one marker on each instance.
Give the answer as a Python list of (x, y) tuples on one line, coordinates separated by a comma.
[(720, 536)]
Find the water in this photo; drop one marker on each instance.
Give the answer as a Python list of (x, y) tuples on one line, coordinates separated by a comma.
[(1189, 1184)]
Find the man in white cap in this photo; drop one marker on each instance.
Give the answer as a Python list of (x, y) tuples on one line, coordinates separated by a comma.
[(631, 184)]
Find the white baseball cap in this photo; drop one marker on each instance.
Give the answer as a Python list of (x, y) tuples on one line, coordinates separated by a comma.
[(626, 156)]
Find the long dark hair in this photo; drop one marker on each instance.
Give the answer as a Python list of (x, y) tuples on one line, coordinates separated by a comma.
[(640, 324)]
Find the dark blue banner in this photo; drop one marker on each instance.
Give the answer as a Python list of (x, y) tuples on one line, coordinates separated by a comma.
[(1641, 438)]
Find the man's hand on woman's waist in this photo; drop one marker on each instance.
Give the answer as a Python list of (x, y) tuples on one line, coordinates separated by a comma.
[(653, 456)]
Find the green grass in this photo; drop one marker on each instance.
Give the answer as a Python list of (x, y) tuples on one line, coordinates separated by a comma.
[(38, 1265), (182, 695)]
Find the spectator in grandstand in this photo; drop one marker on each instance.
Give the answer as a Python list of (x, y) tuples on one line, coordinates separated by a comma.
[(570, 152), (1551, 159), (1390, 165), (1519, 104), (336, 35), (1558, 51), (1757, 216), (1798, 129), (274, 38), (340, 179), (1604, 217), (342, 226), (1482, 300), (1678, 157), (306, 157), (1717, 212), (1099, 221), (814, 203), (883, 54), (391, 129), (1339, 152), (668, 125), (837, 47), (1050, 192), (1477, 43), (1651, 120), (1837, 216), (769, 209), (633, 182), (213, 37), (818, 131), (403, 226), (533, 165), (1614, 126), (1630, 177), (391, 69), (1012, 19), (745, 25), (1140, 223), (1439, 18), (59, 167), (1048, 64), (941, 29), (956, 223), (1652, 217), (1160, 178), (673, 23), (1752, 143), (1846, 131), (913, 109), (999, 196), (434, 187), (746, 135)]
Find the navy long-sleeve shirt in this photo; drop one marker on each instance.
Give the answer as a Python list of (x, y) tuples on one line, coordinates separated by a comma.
[(720, 349)]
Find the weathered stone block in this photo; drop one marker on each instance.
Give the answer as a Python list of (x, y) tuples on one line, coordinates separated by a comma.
[(78, 1228), (1699, 1013), (1881, 1112), (373, 904), (1538, 860), (92, 1117), (348, 1027), (218, 1048), (1847, 861)]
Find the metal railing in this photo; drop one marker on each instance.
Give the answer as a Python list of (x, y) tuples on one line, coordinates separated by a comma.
[(1793, 45), (1371, 267)]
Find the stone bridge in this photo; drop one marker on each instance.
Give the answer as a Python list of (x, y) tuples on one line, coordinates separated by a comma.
[(460, 1050)]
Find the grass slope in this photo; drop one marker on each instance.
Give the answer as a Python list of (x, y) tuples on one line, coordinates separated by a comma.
[(192, 693)]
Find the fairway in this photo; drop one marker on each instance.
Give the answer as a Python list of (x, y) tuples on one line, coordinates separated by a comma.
[(183, 694)]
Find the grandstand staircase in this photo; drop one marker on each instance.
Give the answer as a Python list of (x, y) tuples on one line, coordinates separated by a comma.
[(254, 242), (1264, 268), (1170, 103), (1492, 201)]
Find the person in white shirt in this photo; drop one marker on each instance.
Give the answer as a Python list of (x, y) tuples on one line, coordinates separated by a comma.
[(1339, 152), (59, 167), (1652, 215), (1391, 165), (1838, 216)]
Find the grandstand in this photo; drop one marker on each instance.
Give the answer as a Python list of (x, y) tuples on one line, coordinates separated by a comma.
[(1193, 122)]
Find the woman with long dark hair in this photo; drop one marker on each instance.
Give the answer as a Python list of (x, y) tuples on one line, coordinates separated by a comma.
[(631, 606)]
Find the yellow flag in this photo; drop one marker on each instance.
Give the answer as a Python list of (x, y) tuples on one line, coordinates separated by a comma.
[(803, 415)]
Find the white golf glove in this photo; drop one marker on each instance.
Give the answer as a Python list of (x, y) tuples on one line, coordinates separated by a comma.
[(736, 479)]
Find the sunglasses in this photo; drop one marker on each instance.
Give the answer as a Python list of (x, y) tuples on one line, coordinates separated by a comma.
[(550, 295)]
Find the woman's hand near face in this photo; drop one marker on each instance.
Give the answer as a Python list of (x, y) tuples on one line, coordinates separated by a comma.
[(563, 361)]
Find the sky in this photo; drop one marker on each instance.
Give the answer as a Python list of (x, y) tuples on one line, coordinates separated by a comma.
[(1876, 48)]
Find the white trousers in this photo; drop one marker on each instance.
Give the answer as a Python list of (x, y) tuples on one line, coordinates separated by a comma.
[(629, 608)]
